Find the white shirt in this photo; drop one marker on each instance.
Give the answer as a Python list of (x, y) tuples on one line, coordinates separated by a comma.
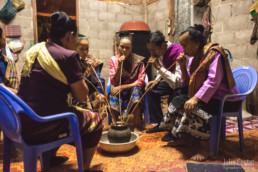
[(173, 79)]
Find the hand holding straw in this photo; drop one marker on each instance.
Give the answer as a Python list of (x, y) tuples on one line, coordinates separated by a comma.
[(98, 80), (122, 119), (147, 91), (120, 107)]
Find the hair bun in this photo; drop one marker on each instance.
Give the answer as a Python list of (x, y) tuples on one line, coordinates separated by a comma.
[(58, 19), (199, 27), (124, 34)]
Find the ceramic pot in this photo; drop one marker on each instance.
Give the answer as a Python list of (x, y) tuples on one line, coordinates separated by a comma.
[(119, 134)]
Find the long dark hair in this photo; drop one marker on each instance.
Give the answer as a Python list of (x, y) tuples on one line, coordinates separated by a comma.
[(196, 34), (127, 35), (60, 25)]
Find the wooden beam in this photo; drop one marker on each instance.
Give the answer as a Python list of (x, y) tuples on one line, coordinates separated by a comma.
[(150, 1), (35, 21), (124, 2), (77, 6)]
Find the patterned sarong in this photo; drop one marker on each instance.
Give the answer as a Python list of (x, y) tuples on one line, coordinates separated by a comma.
[(124, 99), (196, 124)]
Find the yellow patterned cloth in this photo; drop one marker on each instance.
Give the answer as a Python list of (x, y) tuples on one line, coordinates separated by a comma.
[(46, 61), (40, 52)]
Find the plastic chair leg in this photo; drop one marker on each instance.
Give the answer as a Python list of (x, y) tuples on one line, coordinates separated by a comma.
[(223, 128), (7, 154), (45, 161), (214, 137), (79, 156), (146, 112), (30, 160), (240, 131)]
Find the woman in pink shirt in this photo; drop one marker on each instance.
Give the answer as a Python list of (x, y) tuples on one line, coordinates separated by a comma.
[(207, 76), (132, 80)]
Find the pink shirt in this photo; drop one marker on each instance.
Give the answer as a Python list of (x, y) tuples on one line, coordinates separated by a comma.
[(112, 70), (215, 86)]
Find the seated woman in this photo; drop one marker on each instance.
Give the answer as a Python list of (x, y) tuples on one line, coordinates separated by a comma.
[(51, 71), (90, 65), (208, 77), (8, 70), (132, 80)]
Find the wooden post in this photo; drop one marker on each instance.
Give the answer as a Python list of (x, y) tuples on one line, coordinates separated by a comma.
[(35, 21), (172, 20)]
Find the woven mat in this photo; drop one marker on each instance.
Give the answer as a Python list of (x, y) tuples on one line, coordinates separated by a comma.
[(151, 154)]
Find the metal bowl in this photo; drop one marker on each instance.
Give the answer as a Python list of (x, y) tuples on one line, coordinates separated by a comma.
[(117, 147)]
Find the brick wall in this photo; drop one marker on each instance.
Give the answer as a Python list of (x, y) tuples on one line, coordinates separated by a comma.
[(232, 28), (25, 20), (100, 21), (157, 16)]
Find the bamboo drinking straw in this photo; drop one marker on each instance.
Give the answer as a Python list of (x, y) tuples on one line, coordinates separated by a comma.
[(122, 119), (146, 92)]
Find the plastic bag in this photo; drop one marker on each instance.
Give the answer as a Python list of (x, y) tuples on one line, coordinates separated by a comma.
[(18, 4), (16, 45), (8, 12)]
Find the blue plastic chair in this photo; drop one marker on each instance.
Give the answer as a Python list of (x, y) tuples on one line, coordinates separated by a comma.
[(146, 112), (10, 106), (99, 87), (246, 79)]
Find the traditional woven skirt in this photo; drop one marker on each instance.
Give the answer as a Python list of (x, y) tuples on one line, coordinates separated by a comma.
[(90, 126), (135, 95), (196, 124)]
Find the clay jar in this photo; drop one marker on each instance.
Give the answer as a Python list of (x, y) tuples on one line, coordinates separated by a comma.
[(119, 134)]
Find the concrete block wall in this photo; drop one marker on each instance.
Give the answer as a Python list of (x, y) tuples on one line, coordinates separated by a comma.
[(25, 20), (232, 28), (100, 21), (157, 16)]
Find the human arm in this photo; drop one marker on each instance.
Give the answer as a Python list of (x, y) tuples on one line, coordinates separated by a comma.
[(79, 90), (181, 60), (173, 79), (120, 88), (210, 85), (72, 70), (139, 82), (114, 70), (213, 81), (10, 88), (115, 66)]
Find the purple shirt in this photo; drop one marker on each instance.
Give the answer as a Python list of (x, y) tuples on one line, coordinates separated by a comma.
[(173, 51), (215, 86), (45, 94)]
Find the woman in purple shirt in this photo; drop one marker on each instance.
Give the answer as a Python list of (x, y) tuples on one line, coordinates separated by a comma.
[(51, 71), (207, 76)]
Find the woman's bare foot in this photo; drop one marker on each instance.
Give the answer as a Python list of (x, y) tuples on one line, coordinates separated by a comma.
[(200, 156), (184, 140), (137, 131), (203, 153)]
